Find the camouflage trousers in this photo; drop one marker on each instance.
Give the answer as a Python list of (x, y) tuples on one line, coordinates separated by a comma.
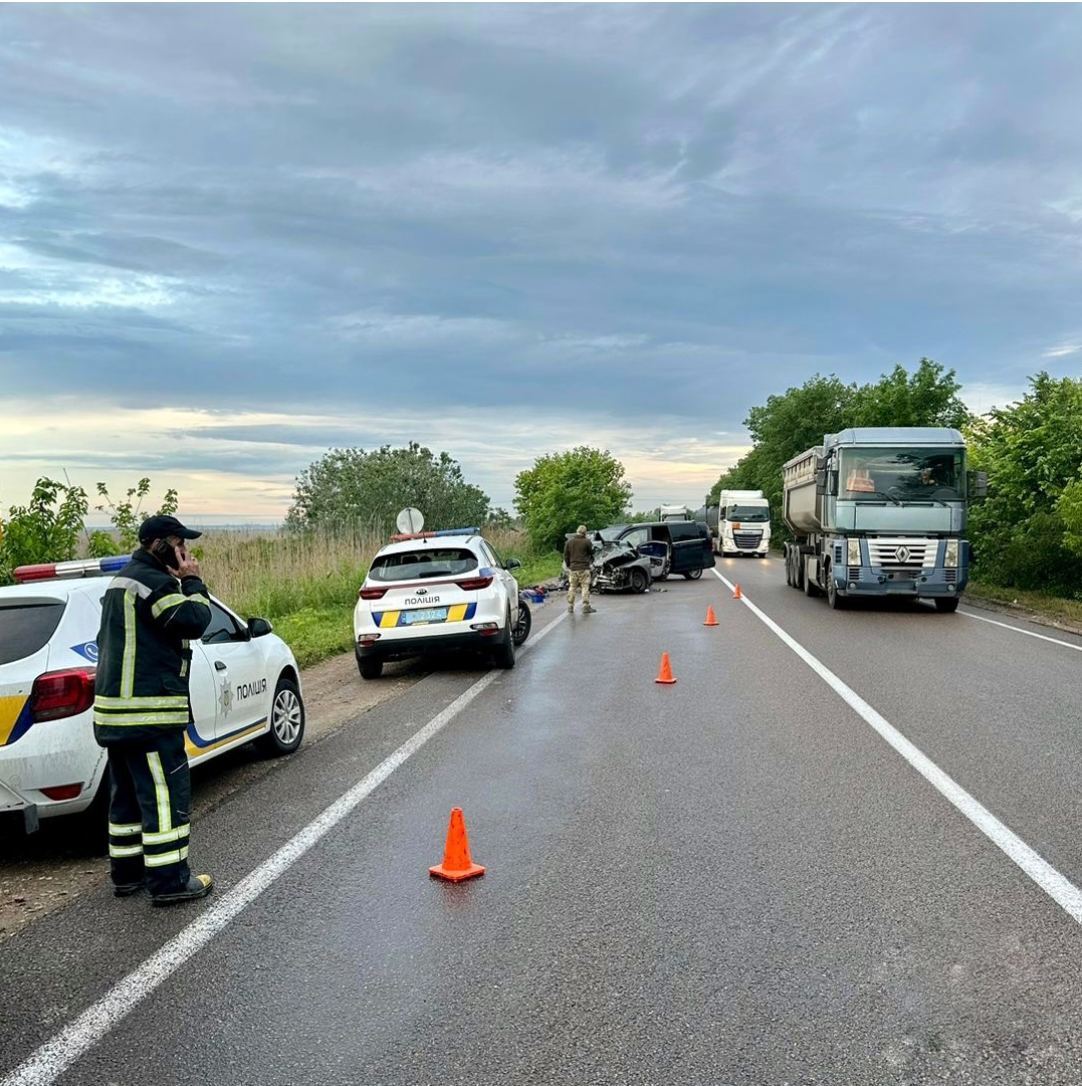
[(578, 580)]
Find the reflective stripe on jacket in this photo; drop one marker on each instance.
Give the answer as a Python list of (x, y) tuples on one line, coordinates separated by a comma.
[(148, 619)]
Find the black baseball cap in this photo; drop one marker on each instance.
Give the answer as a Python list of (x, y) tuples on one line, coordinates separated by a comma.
[(160, 527)]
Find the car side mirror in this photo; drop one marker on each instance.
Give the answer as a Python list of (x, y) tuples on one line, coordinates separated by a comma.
[(512, 563), (259, 627), (978, 484)]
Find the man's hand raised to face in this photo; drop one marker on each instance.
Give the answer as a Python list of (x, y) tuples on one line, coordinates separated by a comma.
[(187, 565)]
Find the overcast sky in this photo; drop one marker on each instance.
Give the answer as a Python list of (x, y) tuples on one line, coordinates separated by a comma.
[(235, 236)]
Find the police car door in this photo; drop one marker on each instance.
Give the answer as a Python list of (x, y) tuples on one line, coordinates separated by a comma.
[(238, 673)]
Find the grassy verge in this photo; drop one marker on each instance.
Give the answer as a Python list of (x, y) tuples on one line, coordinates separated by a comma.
[(1054, 608), (306, 585)]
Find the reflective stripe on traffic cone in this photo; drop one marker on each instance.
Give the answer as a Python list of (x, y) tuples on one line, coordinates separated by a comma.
[(457, 862)]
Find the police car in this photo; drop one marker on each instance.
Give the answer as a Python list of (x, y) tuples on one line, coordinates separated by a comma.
[(245, 685), (430, 592)]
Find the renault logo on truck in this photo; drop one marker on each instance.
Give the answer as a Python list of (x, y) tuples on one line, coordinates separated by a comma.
[(902, 554)]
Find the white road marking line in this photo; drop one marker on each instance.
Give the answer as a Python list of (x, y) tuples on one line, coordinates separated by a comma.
[(1018, 629), (1056, 886), (54, 1057)]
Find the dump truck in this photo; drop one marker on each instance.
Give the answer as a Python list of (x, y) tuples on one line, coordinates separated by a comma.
[(743, 523), (880, 511)]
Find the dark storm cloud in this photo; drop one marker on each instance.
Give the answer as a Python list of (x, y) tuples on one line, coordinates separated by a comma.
[(618, 212)]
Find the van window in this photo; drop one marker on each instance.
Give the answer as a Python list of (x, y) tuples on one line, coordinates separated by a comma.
[(421, 563), (26, 626), (684, 529)]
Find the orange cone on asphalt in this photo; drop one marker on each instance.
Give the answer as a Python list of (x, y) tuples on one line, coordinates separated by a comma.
[(737, 594), (457, 863), (711, 618), (664, 674)]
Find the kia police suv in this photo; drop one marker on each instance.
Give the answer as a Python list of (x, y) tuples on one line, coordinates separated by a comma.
[(432, 592), (245, 685)]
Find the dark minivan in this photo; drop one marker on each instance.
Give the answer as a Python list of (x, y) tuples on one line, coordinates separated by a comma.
[(683, 545)]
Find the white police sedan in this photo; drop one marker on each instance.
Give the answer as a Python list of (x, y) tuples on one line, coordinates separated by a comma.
[(245, 685), (430, 592)]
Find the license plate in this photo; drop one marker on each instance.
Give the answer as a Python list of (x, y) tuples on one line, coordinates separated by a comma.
[(428, 614)]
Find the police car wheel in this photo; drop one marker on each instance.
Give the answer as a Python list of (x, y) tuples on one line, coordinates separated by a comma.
[(504, 655), (286, 721), (91, 827), (522, 625), (369, 668)]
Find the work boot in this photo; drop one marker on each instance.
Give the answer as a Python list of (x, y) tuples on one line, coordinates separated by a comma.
[(198, 886), (570, 608), (126, 889), (588, 610)]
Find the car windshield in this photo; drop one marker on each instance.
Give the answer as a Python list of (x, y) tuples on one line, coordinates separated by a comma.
[(26, 626), (610, 535), (421, 563), (901, 475), (748, 512)]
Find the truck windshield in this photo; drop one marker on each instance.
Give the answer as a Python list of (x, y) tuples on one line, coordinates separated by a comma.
[(747, 512), (902, 475)]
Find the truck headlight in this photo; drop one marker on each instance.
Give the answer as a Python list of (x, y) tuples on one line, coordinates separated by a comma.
[(853, 552), (950, 554)]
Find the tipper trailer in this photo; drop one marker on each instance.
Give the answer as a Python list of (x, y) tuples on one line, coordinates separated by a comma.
[(879, 511)]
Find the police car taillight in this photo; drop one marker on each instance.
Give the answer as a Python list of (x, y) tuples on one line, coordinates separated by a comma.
[(91, 567), (59, 694), (372, 593), (474, 584)]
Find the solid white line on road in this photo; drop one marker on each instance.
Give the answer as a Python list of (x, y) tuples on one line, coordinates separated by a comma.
[(1018, 629), (54, 1057), (1058, 887)]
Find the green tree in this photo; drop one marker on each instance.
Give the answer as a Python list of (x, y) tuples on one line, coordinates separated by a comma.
[(126, 515), (45, 530), (350, 488), (564, 490), (926, 397), (1028, 533)]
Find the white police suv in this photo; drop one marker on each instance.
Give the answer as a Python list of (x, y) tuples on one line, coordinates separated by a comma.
[(245, 685), (430, 592)]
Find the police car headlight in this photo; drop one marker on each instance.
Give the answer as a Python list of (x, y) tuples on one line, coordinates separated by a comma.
[(853, 552), (950, 554)]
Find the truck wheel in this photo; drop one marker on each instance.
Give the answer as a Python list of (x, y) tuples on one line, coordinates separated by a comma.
[(369, 668), (835, 599), (640, 580), (810, 587), (693, 574), (947, 604), (788, 567)]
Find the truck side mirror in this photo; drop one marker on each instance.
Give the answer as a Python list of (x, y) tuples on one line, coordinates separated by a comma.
[(832, 481), (978, 484), (821, 481)]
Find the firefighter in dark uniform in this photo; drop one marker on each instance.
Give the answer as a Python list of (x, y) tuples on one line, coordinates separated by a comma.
[(151, 611)]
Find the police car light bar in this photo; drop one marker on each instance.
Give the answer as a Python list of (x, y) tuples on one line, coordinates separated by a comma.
[(401, 538), (91, 567)]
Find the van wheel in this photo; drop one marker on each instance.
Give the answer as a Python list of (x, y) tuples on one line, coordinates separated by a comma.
[(369, 667), (287, 721), (640, 580), (693, 574)]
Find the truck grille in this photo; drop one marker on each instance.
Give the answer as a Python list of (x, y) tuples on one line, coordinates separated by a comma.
[(950, 575), (902, 552), (747, 540)]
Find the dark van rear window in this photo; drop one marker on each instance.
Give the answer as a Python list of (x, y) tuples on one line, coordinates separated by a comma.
[(685, 529), (422, 563), (26, 626)]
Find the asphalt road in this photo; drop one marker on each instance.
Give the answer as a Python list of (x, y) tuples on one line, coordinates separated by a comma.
[(730, 880)]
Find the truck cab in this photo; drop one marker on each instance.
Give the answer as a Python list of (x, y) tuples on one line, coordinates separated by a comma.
[(743, 523), (879, 511)]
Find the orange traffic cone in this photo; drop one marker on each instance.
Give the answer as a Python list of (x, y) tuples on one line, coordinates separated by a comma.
[(737, 594), (711, 618), (457, 862), (664, 674)]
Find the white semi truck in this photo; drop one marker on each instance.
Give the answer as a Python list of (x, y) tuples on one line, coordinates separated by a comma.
[(674, 512), (880, 511), (743, 523)]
